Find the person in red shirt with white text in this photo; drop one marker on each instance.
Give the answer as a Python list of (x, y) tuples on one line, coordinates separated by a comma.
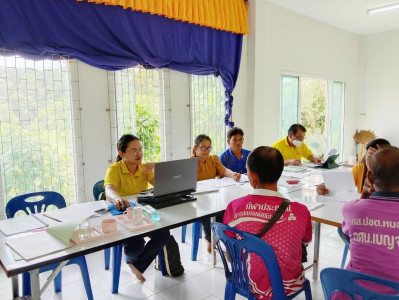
[(252, 212)]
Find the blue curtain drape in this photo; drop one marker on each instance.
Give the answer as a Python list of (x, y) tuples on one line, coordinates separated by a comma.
[(113, 38)]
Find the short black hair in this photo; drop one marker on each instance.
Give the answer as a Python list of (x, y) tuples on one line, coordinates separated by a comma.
[(375, 142), (267, 163), (234, 131), (200, 138), (294, 128), (384, 166)]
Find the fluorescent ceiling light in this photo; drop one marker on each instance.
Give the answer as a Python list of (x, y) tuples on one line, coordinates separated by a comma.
[(383, 8)]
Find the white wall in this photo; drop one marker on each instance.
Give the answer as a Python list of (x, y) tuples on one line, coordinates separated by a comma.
[(281, 41), (95, 126), (379, 101)]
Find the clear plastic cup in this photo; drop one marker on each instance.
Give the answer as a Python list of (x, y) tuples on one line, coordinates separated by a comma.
[(84, 229)]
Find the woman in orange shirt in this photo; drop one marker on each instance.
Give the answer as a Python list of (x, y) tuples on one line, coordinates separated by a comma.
[(209, 166)]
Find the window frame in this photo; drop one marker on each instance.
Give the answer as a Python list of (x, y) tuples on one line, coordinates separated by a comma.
[(329, 105)]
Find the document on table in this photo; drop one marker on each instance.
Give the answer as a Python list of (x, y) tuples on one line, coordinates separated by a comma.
[(295, 169), (203, 188), (75, 211), (20, 224), (217, 183), (340, 184), (55, 238), (35, 245), (295, 174)]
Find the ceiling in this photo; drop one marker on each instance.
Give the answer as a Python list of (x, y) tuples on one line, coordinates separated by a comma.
[(349, 15)]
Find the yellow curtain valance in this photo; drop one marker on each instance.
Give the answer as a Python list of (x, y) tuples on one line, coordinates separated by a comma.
[(227, 15)]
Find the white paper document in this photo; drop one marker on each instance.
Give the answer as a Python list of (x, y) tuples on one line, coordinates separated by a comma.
[(20, 224), (340, 184), (218, 183), (35, 245), (295, 174), (204, 188), (76, 211), (246, 186)]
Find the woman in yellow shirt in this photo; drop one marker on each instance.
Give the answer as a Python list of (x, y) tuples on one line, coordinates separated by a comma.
[(129, 176), (209, 166), (359, 171)]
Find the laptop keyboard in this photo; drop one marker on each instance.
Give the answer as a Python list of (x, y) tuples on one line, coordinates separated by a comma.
[(164, 202)]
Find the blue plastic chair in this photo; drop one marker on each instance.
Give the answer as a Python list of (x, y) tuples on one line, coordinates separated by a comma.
[(98, 188), (29, 205), (346, 240), (196, 235), (340, 280), (237, 281)]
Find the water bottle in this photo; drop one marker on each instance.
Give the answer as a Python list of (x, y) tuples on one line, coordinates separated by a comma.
[(151, 213)]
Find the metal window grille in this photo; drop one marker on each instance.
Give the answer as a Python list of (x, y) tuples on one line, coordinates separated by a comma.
[(140, 109), (207, 110), (36, 132)]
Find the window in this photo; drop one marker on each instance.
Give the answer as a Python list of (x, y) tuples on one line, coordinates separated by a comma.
[(140, 109), (319, 106), (207, 110), (36, 147)]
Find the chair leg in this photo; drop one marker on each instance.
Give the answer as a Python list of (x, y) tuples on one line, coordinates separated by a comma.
[(195, 239), (81, 262), (116, 267), (307, 289), (162, 264), (344, 256), (58, 283), (107, 255), (183, 233), (229, 293), (26, 291)]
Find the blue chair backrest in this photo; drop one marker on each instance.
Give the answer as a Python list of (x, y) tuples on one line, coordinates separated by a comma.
[(31, 204), (98, 188), (238, 250), (340, 280)]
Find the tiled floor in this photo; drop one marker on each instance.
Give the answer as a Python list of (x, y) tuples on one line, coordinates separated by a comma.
[(200, 279)]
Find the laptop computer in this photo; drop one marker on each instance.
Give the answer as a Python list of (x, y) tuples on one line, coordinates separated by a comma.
[(330, 163), (174, 181)]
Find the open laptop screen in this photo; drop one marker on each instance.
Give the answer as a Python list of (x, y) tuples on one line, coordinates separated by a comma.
[(175, 177)]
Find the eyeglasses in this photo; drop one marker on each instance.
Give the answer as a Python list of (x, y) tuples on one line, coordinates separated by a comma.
[(300, 138), (135, 151), (205, 148)]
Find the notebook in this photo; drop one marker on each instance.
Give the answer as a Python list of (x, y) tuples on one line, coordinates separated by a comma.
[(174, 181)]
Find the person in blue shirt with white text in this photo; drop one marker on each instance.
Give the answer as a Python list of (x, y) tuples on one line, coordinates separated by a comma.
[(235, 157)]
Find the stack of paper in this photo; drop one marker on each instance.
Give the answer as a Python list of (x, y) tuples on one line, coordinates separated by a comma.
[(20, 224), (295, 174), (56, 238)]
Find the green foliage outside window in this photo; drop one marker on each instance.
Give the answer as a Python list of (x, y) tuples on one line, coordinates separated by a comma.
[(147, 130), (207, 110), (313, 113), (138, 101), (35, 128)]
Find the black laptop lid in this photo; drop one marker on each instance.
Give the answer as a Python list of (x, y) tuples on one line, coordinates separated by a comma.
[(175, 176)]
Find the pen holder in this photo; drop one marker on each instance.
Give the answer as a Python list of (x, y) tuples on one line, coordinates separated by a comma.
[(108, 225)]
